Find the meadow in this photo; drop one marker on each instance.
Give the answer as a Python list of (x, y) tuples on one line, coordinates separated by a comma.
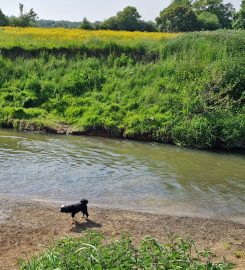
[(184, 89)]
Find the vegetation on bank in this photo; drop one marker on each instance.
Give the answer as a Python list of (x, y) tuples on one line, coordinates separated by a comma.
[(187, 90), (92, 251)]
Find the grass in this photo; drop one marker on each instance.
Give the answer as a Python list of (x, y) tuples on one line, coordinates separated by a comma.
[(92, 251), (186, 89)]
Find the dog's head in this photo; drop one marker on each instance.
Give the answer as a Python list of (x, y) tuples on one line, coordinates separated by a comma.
[(62, 208), (84, 201)]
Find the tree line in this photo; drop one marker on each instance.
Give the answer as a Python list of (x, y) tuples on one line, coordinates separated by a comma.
[(24, 19), (179, 16)]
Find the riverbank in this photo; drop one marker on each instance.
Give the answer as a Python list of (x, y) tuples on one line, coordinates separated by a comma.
[(186, 90), (29, 227)]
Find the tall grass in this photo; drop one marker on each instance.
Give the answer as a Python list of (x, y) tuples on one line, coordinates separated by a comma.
[(92, 251), (188, 90)]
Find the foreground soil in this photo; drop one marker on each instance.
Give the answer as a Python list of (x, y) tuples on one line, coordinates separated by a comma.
[(29, 227)]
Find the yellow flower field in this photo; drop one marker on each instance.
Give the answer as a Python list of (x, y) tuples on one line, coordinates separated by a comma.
[(13, 36), (81, 35)]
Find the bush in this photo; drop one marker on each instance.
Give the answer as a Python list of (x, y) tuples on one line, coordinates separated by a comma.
[(92, 251), (78, 82), (231, 131), (197, 132), (10, 113)]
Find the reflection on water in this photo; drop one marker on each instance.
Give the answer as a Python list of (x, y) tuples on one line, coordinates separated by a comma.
[(125, 174)]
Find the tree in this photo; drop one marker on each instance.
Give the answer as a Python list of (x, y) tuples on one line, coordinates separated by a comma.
[(111, 23), (224, 12), (181, 2), (3, 19), (177, 18), (86, 24), (208, 21), (128, 19), (147, 26), (53, 24), (239, 18), (25, 19)]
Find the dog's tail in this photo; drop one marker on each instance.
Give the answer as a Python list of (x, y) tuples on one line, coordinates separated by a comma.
[(65, 209)]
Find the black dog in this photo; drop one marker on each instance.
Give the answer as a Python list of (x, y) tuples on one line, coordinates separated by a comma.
[(75, 208)]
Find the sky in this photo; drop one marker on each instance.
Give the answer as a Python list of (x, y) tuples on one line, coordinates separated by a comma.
[(94, 10)]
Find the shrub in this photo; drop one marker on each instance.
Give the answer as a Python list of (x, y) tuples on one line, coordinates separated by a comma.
[(231, 130), (78, 82), (9, 113), (91, 251), (197, 132)]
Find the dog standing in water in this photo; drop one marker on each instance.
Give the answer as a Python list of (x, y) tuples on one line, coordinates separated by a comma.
[(75, 208)]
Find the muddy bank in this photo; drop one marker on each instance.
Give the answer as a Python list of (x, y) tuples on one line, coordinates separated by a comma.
[(65, 129), (34, 126), (29, 227)]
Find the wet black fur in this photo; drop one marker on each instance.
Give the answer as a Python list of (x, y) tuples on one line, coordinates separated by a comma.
[(75, 208)]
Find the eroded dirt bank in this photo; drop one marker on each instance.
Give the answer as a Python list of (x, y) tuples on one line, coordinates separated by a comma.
[(29, 227)]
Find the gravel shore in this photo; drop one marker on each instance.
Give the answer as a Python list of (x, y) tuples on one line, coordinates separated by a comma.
[(28, 227)]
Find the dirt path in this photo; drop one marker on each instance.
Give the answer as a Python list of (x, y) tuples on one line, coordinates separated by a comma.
[(29, 227)]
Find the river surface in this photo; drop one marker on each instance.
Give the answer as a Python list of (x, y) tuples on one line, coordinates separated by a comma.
[(123, 174)]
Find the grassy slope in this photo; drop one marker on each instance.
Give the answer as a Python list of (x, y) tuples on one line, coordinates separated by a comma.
[(188, 90)]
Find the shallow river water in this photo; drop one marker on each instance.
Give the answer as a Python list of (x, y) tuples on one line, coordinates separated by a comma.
[(123, 174)]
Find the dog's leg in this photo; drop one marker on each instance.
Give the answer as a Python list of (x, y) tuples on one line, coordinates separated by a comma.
[(73, 221), (86, 213)]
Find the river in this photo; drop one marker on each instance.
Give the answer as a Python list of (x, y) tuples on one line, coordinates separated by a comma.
[(123, 174)]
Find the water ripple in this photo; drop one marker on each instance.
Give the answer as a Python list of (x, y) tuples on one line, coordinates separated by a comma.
[(116, 172)]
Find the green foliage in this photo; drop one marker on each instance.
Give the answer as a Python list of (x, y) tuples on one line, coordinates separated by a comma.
[(86, 24), (224, 12), (8, 113), (197, 132), (191, 93), (208, 21), (239, 18), (25, 19), (92, 251), (78, 82), (128, 19), (177, 18), (109, 24), (231, 130), (58, 24), (3, 19)]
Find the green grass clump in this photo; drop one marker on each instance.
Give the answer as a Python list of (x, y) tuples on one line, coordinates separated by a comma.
[(92, 251), (191, 93)]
